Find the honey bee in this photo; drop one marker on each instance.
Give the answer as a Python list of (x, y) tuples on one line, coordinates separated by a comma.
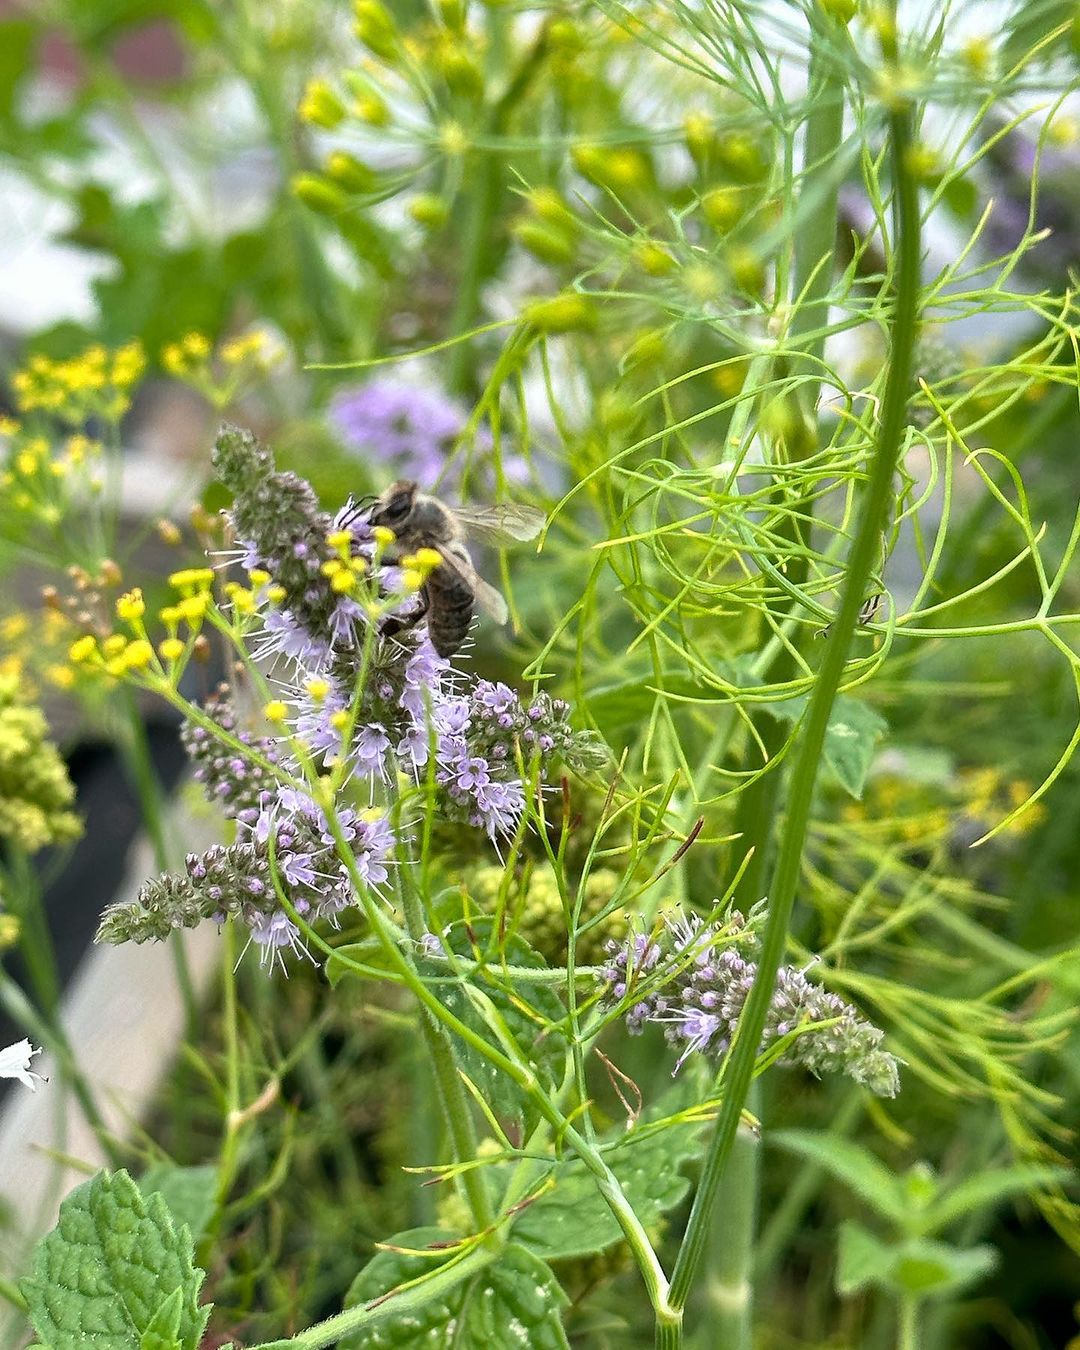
[(453, 589)]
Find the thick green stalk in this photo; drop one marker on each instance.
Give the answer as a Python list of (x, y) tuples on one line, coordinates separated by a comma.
[(448, 1082), (875, 504), (728, 1291), (731, 1240)]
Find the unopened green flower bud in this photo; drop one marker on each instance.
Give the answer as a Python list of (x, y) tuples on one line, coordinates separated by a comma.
[(350, 173), (841, 10), (319, 194), (570, 312), (429, 210), (742, 157), (565, 37), (550, 206), (700, 131), (653, 258), (460, 71), (321, 106), (621, 168), (723, 207), (375, 28), (547, 243), (746, 270)]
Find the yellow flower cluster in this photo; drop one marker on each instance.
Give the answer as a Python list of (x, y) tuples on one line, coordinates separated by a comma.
[(220, 380), (119, 655), (344, 571), (32, 647), (918, 813), (97, 383), (36, 794)]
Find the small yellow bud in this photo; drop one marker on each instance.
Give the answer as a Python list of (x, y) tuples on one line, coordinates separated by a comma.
[(341, 583), (258, 576), (138, 655), (131, 606), (429, 210), (193, 608), (276, 711), (375, 28), (243, 600), (722, 207), (192, 578), (114, 644), (428, 558), (331, 567), (276, 593), (170, 616), (83, 648), (382, 536), (653, 259), (351, 173), (321, 106), (340, 539), (9, 931), (171, 649), (339, 720), (319, 194), (318, 689), (566, 313), (411, 579)]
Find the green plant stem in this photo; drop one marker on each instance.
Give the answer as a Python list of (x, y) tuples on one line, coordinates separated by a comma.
[(908, 1326), (731, 1234), (448, 1082), (484, 209), (875, 504), (728, 1291), (335, 1328), (521, 1073), (10, 1290)]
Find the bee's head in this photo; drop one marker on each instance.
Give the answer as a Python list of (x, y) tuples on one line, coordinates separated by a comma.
[(395, 505)]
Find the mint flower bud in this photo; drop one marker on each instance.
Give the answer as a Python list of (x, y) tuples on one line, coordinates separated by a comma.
[(701, 1002)]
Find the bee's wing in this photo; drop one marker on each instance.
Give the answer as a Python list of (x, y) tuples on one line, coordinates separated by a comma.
[(506, 523), (487, 597)]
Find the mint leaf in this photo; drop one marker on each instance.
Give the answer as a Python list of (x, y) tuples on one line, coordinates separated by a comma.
[(525, 1010), (862, 1259), (188, 1193), (106, 1273), (853, 732), (574, 1220), (163, 1333), (513, 1302)]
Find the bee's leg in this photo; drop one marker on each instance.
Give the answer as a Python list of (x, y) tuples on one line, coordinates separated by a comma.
[(402, 623)]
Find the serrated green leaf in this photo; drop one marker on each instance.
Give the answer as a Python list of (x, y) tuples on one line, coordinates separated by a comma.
[(368, 951), (526, 1010), (854, 730), (163, 1333), (188, 1193), (932, 1269), (851, 1164), (102, 1274), (918, 1267), (515, 1301), (574, 1220), (861, 1260)]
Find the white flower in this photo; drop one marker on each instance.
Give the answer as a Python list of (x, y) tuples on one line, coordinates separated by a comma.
[(15, 1063)]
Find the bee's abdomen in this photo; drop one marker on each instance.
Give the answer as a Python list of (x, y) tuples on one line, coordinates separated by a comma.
[(450, 611)]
